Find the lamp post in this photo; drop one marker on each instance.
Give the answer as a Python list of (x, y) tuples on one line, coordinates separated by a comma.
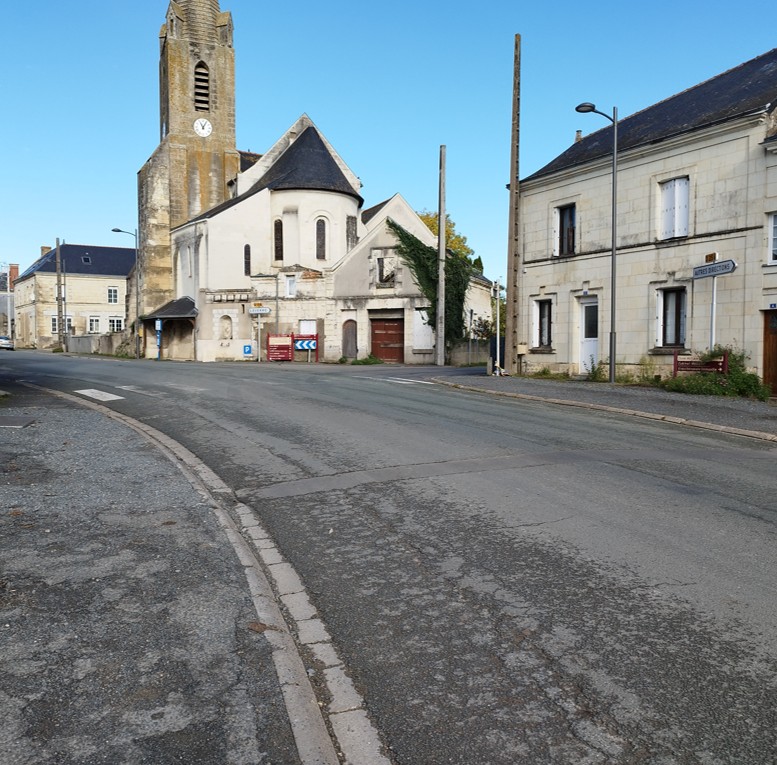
[(137, 287), (584, 108), (7, 267)]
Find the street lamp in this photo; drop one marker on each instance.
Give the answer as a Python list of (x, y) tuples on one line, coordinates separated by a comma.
[(137, 287), (585, 108)]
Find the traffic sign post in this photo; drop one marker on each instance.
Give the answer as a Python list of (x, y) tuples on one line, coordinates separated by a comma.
[(714, 269)]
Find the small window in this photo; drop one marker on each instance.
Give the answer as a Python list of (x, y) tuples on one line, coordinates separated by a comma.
[(351, 237), (773, 238), (86, 259), (291, 286), (247, 260), (321, 239), (386, 266), (55, 325), (113, 294), (544, 337), (278, 239), (115, 324), (566, 230), (674, 208), (201, 87), (94, 324), (672, 317)]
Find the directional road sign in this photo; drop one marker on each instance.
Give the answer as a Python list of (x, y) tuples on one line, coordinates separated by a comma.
[(715, 269), (304, 345)]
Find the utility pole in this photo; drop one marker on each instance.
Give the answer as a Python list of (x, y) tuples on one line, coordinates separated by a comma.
[(441, 247), (512, 316), (60, 306), (498, 294)]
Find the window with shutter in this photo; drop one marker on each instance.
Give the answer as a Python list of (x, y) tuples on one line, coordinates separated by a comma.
[(773, 238), (675, 195), (565, 217)]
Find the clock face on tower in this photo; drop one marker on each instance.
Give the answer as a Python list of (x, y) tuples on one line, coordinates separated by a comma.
[(203, 127)]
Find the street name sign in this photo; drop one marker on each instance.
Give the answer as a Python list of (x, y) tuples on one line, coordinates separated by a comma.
[(258, 311), (715, 269)]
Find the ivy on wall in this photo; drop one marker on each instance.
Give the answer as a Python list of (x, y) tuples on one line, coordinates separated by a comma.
[(421, 259)]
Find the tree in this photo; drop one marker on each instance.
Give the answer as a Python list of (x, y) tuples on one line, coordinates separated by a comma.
[(421, 259), (454, 241)]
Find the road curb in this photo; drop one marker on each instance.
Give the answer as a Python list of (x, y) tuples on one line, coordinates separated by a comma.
[(356, 737), (756, 434)]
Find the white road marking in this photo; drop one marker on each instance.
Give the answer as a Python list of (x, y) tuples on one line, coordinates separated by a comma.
[(100, 395), (186, 388), (135, 389), (398, 380)]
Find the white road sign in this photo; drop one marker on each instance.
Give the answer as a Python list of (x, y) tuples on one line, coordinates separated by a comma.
[(714, 269)]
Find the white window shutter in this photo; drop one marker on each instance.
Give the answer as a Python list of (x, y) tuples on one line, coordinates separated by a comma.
[(682, 196), (667, 209)]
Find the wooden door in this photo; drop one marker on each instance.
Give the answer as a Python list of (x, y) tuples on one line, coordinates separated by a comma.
[(770, 350), (388, 339), (350, 349)]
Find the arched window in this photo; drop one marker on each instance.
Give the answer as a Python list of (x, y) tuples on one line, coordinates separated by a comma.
[(247, 260), (278, 239), (202, 87), (321, 239)]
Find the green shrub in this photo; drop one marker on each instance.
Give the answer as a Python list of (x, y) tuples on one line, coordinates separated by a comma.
[(596, 371), (737, 383), (369, 360)]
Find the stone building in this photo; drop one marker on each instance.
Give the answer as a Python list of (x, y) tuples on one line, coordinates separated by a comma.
[(92, 284), (7, 317), (697, 184), (236, 246)]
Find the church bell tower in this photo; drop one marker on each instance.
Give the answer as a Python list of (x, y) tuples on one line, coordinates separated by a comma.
[(196, 157)]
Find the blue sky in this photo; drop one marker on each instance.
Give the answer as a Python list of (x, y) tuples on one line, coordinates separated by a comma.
[(387, 84)]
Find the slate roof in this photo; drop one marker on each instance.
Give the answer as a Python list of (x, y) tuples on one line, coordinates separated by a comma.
[(248, 159), (182, 308), (307, 164), (371, 212), (85, 260), (749, 88)]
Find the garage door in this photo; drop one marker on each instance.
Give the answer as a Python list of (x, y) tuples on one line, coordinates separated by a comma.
[(388, 339)]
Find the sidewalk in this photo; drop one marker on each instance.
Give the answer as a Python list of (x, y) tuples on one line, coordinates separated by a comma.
[(755, 418), (127, 630)]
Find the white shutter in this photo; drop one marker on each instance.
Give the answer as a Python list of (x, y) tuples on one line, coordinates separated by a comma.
[(667, 210), (681, 199)]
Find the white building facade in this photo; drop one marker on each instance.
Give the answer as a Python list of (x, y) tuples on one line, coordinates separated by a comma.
[(696, 183)]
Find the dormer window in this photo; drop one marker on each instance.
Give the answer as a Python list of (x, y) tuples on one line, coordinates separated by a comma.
[(202, 87)]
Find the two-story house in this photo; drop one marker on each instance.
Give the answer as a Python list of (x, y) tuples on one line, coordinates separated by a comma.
[(696, 184), (91, 285)]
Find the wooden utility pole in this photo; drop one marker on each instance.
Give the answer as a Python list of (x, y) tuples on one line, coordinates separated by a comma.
[(512, 317), (441, 247), (60, 299)]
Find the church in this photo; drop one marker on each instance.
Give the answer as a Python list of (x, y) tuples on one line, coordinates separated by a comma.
[(241, 253)]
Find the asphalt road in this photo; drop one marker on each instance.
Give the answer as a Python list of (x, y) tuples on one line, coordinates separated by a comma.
[(505, 581)]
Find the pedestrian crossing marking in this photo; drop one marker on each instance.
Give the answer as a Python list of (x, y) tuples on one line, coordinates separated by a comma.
[(99, 395)]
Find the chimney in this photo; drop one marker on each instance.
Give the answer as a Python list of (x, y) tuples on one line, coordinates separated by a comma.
[(44, 250), (13, 275), (578, 136)]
